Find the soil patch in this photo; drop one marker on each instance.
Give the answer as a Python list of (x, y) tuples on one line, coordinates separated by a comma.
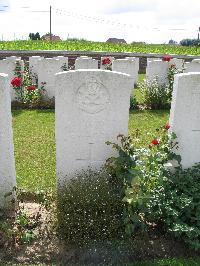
[(47, 249)]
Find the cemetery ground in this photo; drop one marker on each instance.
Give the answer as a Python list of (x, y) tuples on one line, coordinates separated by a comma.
[(34, 142), (35, 163)]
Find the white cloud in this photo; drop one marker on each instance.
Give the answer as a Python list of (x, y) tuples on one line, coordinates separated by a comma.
[(133, 20)]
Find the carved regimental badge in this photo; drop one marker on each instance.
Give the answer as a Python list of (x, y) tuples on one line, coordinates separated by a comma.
[(92, 96)]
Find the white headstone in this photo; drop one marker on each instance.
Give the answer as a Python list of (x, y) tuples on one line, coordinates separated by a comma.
[(47, 68), (185, 117), (7, 162), (179, 63), (193, 66), (33, 67), (157, 69), (8, 66), (85, 62), (13, 57), (128, 66), (137, 61), (92, 107), (150, 59), (64, 61), (196, 60)]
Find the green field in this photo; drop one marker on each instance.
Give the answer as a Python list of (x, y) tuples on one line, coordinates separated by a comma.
[(99, 46), (34, 142)]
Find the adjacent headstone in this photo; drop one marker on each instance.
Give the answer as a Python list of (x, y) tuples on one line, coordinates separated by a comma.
[(13, 57), (33, 67), (92, 107), (7, 162), (196, 60), (47, 68), (85, 62), (128, 66), (150, 59), (158, 70), (62, 58), (8, 66), (193, 66), (179, 63), (185, 117)]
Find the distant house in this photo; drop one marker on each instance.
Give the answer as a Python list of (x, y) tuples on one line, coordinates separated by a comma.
[(116, 40), (46, 37)]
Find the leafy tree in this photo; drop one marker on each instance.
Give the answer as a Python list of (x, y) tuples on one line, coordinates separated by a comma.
[(172, 42), (189, 42), (34, 36)]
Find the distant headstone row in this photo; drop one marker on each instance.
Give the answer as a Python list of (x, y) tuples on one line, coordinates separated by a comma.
[(158, 68), (43, 70)]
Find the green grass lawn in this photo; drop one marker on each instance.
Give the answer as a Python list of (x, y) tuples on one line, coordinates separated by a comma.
[(136, 91), (34, 149), (34, 142)]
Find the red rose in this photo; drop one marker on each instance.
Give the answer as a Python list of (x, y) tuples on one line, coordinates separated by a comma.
[(166, 58), (31, 88), (16, 82), (155, 142), (167, 126), (106, 61)]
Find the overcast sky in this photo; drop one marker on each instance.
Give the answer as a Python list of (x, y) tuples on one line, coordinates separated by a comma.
[(152, 21)]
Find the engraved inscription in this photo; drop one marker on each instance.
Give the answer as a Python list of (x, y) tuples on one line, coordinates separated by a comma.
[(92, 96)]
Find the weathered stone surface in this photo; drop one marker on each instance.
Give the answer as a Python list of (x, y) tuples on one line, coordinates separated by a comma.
[(47, 68), (157, 69), (13, 57), (64, 60), (92, 107), (193, 66), (7, 163), (8, 66), (179, 63), (150, 59), (128, 66), (85, 62), (185, 116), (33, 67)]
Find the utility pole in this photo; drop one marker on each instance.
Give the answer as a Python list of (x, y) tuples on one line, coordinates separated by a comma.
[(50, 25)]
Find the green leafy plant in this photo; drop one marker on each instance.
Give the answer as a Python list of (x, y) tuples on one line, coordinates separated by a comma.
[(175, 205), (138, 171), (133, 103), (155, 96), (20, 229), (173, 70), (26, 91)]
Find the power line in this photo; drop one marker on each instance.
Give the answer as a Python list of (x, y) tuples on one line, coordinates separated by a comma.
[(112, 23)]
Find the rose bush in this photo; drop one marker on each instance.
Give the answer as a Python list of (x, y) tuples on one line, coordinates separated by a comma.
[(26, 91)]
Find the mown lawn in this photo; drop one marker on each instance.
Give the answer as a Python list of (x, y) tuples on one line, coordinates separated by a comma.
[(34, 141), (34, 149)]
